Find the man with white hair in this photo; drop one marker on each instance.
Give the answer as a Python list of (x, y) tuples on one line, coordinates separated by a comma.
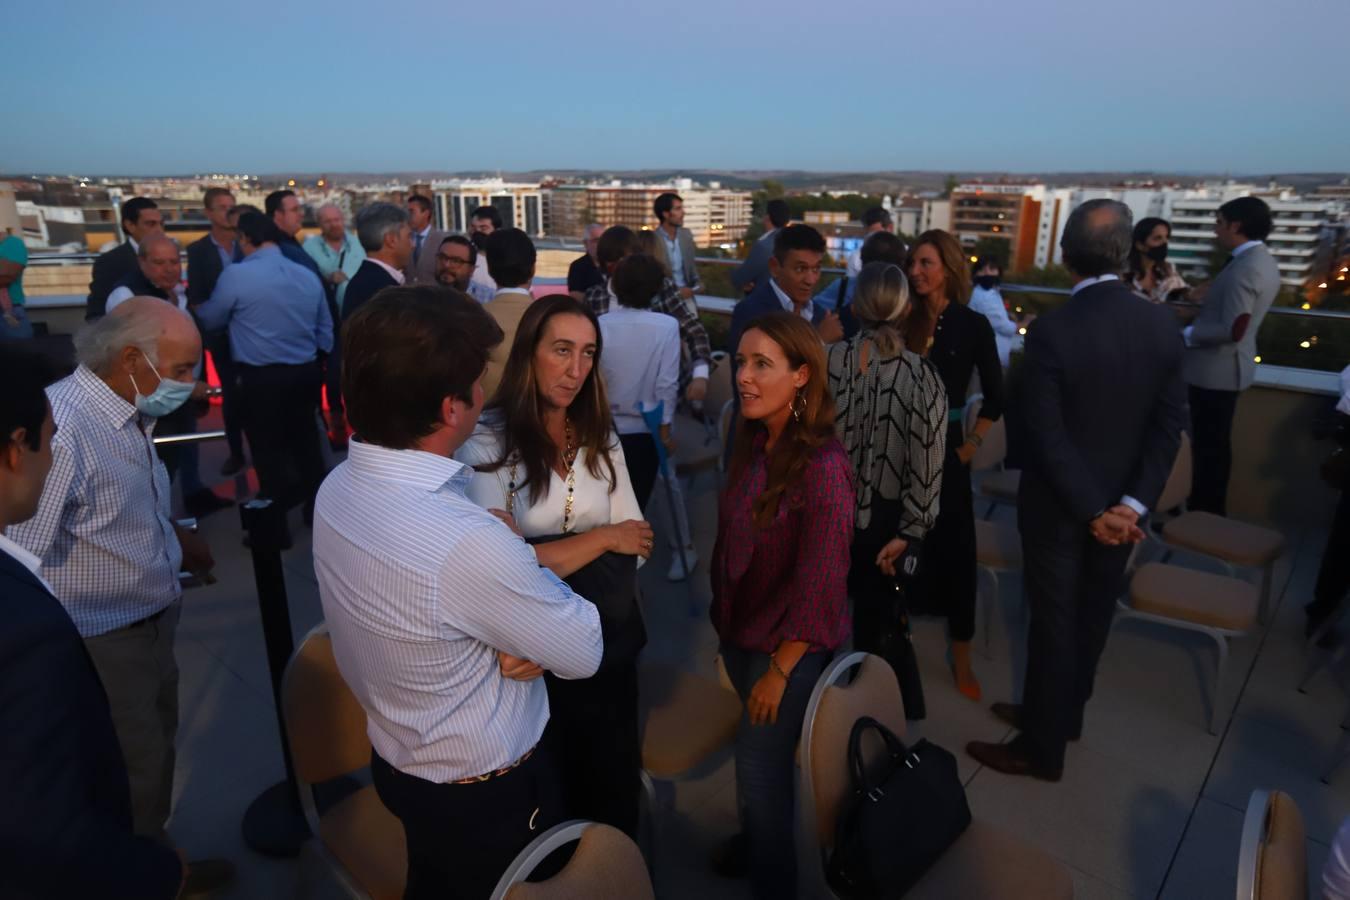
[(338, 255), (104, 537), (386, 235), (278, 320)]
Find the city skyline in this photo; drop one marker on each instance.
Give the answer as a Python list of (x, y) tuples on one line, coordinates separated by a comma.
[(1037, 86)]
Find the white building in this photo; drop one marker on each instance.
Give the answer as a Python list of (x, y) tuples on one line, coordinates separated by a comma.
[(521, 205)]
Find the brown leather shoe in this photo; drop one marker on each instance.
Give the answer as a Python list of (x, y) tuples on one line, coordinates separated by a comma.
[(1011, 759), (1011, 714)]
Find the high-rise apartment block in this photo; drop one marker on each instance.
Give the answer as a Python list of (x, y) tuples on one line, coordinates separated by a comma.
[(714, 214)]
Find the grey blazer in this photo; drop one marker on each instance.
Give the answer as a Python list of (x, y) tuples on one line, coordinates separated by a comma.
[(1221, 351), (423, 271)]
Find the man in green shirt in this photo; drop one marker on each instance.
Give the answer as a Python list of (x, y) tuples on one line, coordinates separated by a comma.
[(14, 324)]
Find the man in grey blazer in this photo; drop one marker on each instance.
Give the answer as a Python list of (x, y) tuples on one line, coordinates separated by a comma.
[(755, 269), (426, 240), (669, 209), (1220, 358)]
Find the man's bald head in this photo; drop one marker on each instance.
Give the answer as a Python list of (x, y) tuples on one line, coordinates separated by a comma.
[(1097, 238), (138, 338), (331, 222)]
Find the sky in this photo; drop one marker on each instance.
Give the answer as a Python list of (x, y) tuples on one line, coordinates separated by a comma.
[(149, 87)]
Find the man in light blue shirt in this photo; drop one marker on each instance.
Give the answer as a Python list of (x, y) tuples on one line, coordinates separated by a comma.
[(337, 254), (669, 210), (277, 315)]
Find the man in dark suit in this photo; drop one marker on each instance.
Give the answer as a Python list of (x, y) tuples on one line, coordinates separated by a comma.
[(66, 825), (207, 257), (386, 236), (1103, 405), (751, 273), (794, 272), (140, 218)]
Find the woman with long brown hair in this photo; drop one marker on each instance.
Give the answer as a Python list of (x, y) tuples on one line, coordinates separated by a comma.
[(548, 461), (959, 342), (779, 573)]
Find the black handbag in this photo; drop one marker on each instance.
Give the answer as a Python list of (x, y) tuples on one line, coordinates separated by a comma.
[(900, 819)]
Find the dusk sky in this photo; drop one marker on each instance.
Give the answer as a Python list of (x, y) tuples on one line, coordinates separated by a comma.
[(1239, 86)]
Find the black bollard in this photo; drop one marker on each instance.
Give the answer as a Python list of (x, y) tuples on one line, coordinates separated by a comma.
[(274, 824)]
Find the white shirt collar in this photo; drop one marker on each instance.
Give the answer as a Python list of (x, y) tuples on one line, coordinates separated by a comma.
[(393, 273), (515, 290), (788, 305), (1089, 282), (424, 232), (1243, 248), (26, 559)]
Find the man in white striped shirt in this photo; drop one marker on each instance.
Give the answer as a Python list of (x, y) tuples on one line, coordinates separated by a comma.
[(435, 605), (109, 549)]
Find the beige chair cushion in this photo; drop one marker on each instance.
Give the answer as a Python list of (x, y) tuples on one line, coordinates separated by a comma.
[(368, 840), (1239, 543), (874, 692), (686, 718), (324, 722), (1002, 485), (998, 546), (1197, 597), (989, 862), (1282, 868), (607, 865)]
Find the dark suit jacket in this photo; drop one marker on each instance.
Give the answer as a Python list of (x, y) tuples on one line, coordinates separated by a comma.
[(109, 268), (204, 268), (758, 302), (368, 281), (65, 823), (1103, 405)]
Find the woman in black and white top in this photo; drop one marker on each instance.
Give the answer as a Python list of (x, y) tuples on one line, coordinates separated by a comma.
[(891, 414), (548, 461)]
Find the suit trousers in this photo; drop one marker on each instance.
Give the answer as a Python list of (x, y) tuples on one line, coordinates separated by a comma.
[(226, 369), (592, 735), (1212, 448), (140, 675), (462, 837), (279, 408), (639, 453), (1071, 583)]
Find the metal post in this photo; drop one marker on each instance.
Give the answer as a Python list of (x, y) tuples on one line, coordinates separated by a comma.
[(274, 824)]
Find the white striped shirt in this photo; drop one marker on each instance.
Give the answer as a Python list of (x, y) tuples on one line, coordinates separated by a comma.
[(103, 529), (420, 589)]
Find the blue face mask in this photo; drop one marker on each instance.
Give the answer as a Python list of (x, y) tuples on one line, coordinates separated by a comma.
[(167, 397)]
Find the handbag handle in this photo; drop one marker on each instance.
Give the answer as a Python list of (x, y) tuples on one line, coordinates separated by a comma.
[(894, 746)]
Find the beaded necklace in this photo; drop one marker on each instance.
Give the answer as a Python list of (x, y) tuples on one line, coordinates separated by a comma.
[(570, 458)]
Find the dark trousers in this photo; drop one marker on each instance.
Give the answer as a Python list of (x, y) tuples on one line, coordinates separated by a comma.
[(1333, 576), (1071, 583), (592, 736), (880, 617), (946, 581), (462, 837), (1211, 448), (219, 345), (639, 452), (332, 363), (766, 769), (279, 405)]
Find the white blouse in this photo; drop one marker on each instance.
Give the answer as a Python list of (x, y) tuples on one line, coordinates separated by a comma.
[(593, 504)]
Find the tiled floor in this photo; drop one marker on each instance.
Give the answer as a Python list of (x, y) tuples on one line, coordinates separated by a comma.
[(1151, 804)]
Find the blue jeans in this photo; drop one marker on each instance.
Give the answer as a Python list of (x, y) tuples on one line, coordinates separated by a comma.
[(766, 770)]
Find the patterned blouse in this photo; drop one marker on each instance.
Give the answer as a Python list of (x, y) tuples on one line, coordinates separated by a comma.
[(893, 419), (789, 581)]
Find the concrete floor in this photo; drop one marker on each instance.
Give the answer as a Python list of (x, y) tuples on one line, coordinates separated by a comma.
[(1151, 805)]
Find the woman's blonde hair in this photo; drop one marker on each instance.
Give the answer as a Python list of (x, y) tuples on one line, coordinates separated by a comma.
[(881, 302)]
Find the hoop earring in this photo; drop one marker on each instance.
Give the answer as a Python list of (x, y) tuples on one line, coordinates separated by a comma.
[(796, 409)]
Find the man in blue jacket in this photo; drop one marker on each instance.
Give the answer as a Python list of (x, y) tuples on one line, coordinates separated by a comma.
[(65, 824)]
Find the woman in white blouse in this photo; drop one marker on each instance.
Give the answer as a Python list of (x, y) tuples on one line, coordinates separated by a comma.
[(547, 457)]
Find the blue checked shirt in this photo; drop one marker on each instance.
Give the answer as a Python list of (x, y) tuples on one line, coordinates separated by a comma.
[(420, 589), (102, 529)]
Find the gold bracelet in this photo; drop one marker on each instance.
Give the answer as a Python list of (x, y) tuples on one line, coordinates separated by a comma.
[(975, 439), (773, 664)]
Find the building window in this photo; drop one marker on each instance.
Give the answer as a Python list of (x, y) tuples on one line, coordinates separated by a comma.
[(506, 205)]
